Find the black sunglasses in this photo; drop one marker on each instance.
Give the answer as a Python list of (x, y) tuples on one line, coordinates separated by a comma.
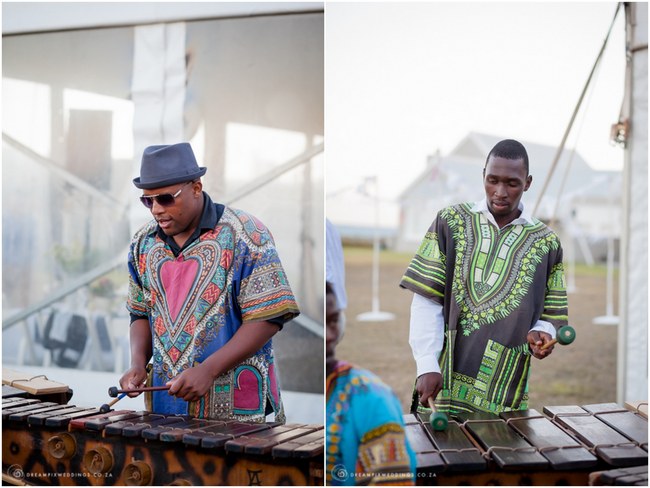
[(162, 199)]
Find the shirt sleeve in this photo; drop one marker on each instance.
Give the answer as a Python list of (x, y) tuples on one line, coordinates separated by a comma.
[(262, 289), (426, 273), (133, 317), (136, 303), (334, 264), (426, 335), (279, 321), (556, 307)]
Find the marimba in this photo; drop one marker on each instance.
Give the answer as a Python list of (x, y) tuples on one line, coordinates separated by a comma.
[(52, 444), (560, 446)]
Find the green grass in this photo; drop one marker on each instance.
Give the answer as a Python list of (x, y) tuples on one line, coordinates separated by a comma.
[(360, 255), (595, 270), (363, 255)]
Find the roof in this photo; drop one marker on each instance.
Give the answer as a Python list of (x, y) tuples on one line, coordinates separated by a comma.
[(461, 172)]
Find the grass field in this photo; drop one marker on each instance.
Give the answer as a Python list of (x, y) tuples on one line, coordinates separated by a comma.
[(579, 374)]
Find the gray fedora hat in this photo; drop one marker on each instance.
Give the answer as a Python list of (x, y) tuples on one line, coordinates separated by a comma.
[(167, 165)]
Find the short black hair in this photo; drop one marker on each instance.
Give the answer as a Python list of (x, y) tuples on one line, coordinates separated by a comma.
[(329, 290), (509, 149)]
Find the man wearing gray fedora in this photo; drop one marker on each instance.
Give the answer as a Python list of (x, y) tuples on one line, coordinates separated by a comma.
[(207, 292)]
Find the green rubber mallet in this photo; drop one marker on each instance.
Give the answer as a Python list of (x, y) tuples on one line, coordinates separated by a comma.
[(438, 420), (565, 335)]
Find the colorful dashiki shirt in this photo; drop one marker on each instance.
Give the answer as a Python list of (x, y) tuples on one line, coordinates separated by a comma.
[(196, 302), (366, 442), (494, 284)]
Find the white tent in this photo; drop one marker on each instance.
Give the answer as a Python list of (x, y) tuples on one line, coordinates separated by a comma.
[(632, 381)]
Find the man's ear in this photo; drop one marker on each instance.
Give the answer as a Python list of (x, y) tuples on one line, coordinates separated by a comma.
[(529, 180)]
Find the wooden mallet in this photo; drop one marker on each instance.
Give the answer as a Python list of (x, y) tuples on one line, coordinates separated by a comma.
[(438, 420), (565, 335), (113, 391), (106, 407)]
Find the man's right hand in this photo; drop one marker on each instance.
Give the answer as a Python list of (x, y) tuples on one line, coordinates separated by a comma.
[(428, 385), (135, 377)]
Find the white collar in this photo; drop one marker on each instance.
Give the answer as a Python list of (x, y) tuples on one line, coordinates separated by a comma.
[(482, 207)]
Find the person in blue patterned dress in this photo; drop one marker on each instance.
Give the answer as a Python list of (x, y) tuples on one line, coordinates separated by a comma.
[(207, 292), (366, 441)]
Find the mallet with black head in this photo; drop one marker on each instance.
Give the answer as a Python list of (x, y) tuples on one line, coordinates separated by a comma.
[(113, 391)]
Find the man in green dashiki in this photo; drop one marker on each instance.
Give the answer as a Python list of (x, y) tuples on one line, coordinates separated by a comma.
[(489, 292)]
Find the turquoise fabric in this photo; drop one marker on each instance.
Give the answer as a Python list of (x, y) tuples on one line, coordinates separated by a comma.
[(365, 431)]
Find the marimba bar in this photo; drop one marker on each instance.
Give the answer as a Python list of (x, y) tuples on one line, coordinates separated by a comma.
[(68, 445)]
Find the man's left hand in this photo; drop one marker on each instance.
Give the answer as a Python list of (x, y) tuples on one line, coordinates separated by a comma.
[(191, 384), (536, 340)]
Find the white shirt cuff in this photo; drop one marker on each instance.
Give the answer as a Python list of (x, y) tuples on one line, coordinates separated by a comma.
[(426, 364), (544, 326)]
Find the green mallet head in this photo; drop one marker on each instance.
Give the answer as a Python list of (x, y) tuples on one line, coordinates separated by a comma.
[(566, 335), (438, 420)]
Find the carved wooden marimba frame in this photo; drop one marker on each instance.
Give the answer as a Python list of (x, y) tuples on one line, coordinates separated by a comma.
[(562, 446), (51, 444)]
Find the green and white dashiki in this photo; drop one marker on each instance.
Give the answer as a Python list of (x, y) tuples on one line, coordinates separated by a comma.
[(494, 285)]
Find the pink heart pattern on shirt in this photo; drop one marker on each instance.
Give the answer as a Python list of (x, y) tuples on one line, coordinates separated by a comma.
[(178, 278), (184, 290)]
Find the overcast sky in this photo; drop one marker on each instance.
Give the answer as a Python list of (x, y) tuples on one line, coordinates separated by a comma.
[(403, 80)]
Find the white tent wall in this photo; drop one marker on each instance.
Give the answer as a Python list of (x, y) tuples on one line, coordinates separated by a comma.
[(632, 381), (159, 54), (86, 86), (24, 17)]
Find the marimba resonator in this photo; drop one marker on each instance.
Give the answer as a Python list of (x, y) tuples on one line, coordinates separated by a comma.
[(52, 444)]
